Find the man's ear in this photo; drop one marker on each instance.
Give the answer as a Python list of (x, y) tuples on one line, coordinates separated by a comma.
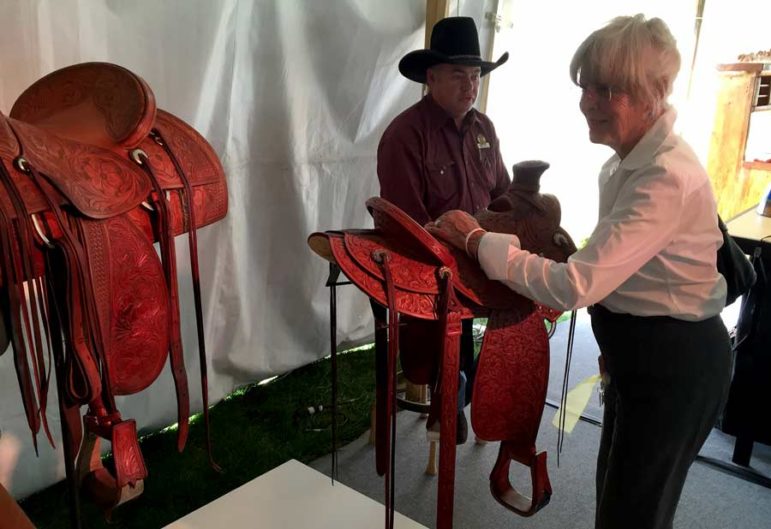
[(430, 76)]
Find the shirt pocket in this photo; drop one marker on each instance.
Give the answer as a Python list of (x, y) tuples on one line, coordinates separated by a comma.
[(441, 180), (487, 158)]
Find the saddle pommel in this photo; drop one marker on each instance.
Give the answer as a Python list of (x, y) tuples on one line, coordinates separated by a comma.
[(532, 216)]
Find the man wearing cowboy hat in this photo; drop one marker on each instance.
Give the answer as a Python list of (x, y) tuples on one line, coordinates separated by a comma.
[(442, 154)]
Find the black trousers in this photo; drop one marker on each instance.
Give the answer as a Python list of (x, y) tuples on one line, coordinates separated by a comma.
[(668, 383)]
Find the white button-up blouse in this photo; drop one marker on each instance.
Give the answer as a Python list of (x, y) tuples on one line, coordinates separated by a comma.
[(653, 251)]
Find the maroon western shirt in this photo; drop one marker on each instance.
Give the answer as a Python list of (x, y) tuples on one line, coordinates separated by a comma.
[(426, 166)]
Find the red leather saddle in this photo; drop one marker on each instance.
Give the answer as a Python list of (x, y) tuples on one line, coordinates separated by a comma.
[(404, 268), (92, 174), (11, 514)]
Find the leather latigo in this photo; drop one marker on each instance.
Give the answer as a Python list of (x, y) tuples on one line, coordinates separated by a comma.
[(403, 267), (92, 175)]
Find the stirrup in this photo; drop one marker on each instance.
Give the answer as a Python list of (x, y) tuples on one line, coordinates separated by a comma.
[(501, 487)]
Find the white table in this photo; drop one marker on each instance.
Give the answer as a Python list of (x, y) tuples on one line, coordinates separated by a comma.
[(291, 496), (749, 228)]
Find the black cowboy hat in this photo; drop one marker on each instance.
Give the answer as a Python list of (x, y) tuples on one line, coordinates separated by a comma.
[(454, 40)]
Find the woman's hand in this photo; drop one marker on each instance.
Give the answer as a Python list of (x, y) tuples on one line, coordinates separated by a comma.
[(455, 227)]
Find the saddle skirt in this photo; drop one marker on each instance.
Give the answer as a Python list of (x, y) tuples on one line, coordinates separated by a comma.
[(403, 267), (92, 174)]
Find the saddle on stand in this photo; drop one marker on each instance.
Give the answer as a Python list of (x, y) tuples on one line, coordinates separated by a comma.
[(92, 174), (404, 268)]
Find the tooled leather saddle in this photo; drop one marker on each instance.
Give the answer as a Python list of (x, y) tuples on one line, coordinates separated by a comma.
[(92, 174), (401, 266)]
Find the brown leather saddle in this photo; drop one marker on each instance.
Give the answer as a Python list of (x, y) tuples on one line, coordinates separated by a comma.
[(403, 267), (92, 174)]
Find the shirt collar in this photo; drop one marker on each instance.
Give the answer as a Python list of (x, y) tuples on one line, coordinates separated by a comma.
[(439, 118), (649, 144)]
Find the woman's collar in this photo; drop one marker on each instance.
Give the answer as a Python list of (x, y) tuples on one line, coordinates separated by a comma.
[(651, 141)]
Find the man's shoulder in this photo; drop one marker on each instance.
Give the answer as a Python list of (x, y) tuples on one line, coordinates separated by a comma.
[(410, 121)]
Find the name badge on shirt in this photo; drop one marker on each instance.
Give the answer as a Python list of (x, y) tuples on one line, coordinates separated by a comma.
[(482, 142)]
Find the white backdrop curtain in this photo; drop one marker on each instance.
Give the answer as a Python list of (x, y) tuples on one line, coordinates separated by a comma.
[(294, 96)]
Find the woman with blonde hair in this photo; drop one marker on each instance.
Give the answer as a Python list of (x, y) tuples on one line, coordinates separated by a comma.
[(647, 273)]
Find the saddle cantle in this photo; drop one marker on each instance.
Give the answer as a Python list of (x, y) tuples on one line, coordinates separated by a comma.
[(92, 174), (403, 267)]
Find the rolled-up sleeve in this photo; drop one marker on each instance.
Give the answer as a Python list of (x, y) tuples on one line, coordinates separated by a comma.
[(495, 252), (542, 280)]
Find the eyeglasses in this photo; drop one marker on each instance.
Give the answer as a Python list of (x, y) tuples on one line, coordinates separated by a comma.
[(598, 92)]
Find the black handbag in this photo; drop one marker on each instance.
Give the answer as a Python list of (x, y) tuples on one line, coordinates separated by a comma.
[(734, 266)]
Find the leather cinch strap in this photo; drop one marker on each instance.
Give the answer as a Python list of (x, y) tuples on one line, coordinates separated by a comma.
[(447, 388), (191, 228), (381, 384), (388, 437), (169, 257), (18, 267), (448, 313)]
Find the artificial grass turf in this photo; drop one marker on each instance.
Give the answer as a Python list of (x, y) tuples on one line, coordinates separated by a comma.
[(253, 431)]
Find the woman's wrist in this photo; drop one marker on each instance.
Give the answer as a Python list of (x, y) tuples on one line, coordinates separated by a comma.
[(473, 239)]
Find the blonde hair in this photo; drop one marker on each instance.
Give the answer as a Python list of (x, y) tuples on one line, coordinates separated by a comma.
[(632, 54)]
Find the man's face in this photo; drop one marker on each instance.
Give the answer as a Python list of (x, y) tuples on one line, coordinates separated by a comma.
[(454, 87)]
